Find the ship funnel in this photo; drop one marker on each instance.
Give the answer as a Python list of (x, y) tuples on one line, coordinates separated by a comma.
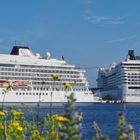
[(131, 55), (21, 50)]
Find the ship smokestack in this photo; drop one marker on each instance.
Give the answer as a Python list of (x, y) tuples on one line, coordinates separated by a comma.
[(131, 55)]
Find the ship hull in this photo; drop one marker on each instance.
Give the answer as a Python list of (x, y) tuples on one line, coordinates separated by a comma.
[(123, 94), (34, 97)]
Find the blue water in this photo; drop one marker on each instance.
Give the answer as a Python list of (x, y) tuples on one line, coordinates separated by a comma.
[(106, 115)]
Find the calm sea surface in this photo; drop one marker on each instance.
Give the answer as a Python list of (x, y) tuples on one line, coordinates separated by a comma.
[(106, 115)]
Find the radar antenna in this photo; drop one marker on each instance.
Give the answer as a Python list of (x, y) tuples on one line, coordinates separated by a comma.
[(15, 42)]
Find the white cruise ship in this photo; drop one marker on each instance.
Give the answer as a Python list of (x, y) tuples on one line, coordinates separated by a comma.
[(27, 78), (121, 81)]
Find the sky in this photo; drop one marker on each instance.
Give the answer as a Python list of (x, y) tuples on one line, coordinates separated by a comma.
[(88, 33)]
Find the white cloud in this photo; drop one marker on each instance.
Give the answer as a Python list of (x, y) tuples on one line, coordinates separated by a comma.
[(105, 19), (90, 16), (122, 39), (96, 19), (116, 22), (121, 18)]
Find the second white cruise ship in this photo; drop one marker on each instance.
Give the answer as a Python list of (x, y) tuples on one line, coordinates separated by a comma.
[(25, 77), (121, 81)]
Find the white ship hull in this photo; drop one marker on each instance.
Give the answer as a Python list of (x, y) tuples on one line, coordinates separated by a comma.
[(131, 96), (123, 94), (57, 97)]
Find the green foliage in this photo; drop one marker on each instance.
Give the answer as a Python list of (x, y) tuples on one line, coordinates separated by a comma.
[(125, 131), (35, 134), (71, 129), (13, 128), (52, 133)]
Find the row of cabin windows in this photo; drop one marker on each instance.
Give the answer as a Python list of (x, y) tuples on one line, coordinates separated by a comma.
[(31, 93), (61, 89), (133, 76), (39, 78), (56, 84), (36, 75), (132, 68), (133, 73), (134, 83), (39, 70), (133, 94), (44, 67), (133, 79)]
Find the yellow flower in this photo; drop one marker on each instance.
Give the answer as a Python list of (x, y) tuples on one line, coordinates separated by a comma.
[(63, 119), (19, 128), (2, 113), (54, 76), (16, 113), (67, 85), (60, 118), (1, 127), (80, 116), (15, 124)]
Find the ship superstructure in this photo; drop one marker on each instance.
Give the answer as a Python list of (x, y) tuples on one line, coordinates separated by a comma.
[(30, 80), (121, 81)]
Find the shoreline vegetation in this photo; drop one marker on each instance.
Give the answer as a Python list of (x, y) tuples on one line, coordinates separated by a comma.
[(64, 126)]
